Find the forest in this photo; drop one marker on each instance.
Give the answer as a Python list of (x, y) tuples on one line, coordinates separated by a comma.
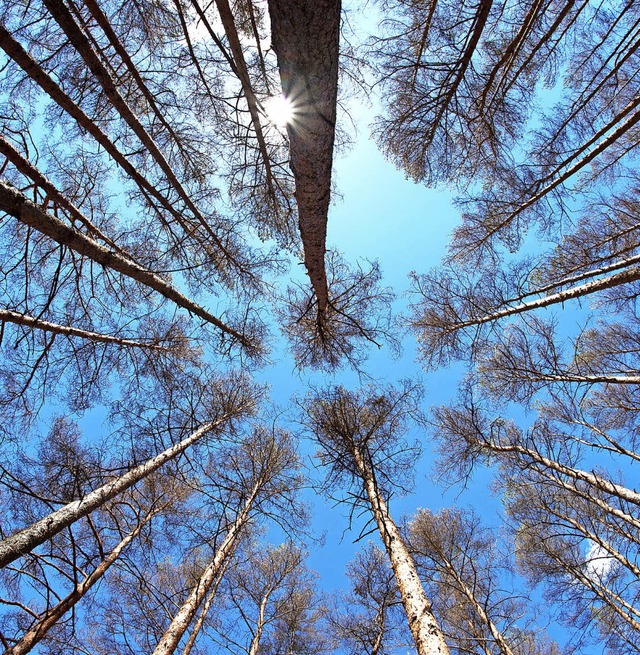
[(220, 432)]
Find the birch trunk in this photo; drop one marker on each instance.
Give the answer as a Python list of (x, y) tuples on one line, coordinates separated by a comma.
[(50, 618), (623, 277), (174, 633), (479, 610), (27, 539), (593, 479), (305, 37), (16, 204), (426, 633)]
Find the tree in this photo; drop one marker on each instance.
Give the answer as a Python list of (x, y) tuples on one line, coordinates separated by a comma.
[(581, 555), (360, 436), (460, 561), (28, 538), (261, 476)]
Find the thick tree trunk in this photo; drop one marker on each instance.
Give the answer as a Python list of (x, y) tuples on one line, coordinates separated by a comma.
[(305, 36), (16, 204), (27, 539), (174, 633), (51, 617), (426, 633)]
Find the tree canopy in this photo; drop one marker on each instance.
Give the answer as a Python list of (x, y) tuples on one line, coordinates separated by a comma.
[(169, 194)]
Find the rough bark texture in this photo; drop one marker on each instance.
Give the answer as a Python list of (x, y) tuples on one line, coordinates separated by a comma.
[(426, 633), (16, 204), (27, 539), (305, 36)]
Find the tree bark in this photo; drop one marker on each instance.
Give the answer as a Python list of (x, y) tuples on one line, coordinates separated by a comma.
[(78, 39), (18, 205), (52, 616), (205, 610), (171, 638), (27, 539), (426, 633), (8, 316), (305, 36)]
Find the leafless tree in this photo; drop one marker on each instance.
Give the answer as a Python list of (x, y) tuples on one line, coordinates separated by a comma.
[(361, 441)]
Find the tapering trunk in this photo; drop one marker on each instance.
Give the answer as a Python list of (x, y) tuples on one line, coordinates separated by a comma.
[(497, 635), (305, 36), (8, 316), (630, 274), (14, 50), (597, 481), (193, 635), (16, 204), (27, 539), (427, 635), (29, 170), (52, 616), (174, 633)]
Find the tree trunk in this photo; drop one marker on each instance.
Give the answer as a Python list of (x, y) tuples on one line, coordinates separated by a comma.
[(174, 633), (8, 316), (27, 539), (479, 610), (16, 204), (78, 39), (305, 37), (51, 617), (597, 481), (205, 610), (426, 633)]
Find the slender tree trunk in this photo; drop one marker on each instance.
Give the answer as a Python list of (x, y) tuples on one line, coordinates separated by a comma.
[(204, 611), (27, 539), (174, 633), (78, 39), (426, 633), (597, 481), (8, 316), (52, 616), (592, 498), (305, 36), (257, 636), (623, 277), (16, 204), (29, 170), (226, 16), (478, 608)]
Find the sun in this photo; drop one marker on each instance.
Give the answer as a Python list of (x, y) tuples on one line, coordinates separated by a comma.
[(279, 110)]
